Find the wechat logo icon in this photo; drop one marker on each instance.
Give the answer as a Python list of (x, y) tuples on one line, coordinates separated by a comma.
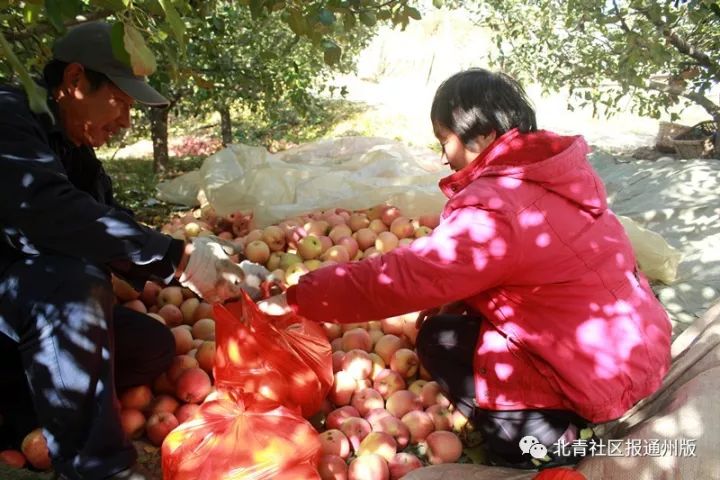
[(533, 446)]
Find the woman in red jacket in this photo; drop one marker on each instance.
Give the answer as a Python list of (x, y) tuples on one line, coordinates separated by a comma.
[(547, 323)]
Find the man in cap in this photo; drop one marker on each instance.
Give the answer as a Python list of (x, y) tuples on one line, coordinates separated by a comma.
[(61, 235)]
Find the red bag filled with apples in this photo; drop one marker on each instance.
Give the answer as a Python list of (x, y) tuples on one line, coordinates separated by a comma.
[(241, 436), (287, 359)]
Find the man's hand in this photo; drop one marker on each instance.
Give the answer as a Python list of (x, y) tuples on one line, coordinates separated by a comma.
[(211, 273), (255, 275), (276, 305), (456, 308)]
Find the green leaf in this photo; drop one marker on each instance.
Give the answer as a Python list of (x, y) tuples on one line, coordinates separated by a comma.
[(438, 3), (37, 96), (71, 8), (368, 18), (54, 13), (256, 7), (326, 17), (297, 23), (117, 40), (349, 21), (114, 5), (141, 58), (332, 52), (176, 23), (31, 12), (413, 13), (477, 455)]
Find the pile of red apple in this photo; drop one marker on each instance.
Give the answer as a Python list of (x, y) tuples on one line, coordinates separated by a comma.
[(383, 417)]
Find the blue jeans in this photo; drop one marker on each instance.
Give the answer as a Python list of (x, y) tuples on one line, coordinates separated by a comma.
[(58, 312)]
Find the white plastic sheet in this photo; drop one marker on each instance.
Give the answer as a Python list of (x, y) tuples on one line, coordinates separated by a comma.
[(349, 172)]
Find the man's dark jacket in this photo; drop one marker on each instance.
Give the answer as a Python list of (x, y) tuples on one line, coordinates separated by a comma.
[(56, 198)]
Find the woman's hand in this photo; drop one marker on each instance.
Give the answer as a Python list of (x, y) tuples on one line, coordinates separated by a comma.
[(276, 305), (455, 308)]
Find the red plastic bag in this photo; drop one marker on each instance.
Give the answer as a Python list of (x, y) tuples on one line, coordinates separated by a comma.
[(239, 436), (287, 359)]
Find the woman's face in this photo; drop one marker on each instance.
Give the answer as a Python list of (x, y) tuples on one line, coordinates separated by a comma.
[(457, 154)]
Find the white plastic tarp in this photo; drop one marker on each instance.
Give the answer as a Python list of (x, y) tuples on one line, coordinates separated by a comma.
[(350, 172)]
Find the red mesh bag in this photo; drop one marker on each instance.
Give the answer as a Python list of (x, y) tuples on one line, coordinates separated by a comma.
[(286, 359), (239, 436)]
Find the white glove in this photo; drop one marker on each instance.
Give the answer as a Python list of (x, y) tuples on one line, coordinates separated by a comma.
[(255, 274), (210, 272)]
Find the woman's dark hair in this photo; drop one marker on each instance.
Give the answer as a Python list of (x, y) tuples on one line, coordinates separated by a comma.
[(476, 102), (55, 69)]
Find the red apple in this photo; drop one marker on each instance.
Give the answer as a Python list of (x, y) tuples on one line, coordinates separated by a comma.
[(441, 417), (343, 388), (178, 365), (132, 422), (35, 449), (369, 467), (257, 251), (204, 329), (159, 425), (310, 247), (405, 362), (149, 295), (402, 402), (356, 429), (170, 295), (443, 447), (164, 403), (402, 464), (402, 228), (387, 345), (420, 425), (188, 309), (336, 418), (138, 397), (366, 400), (357, 363), (193, 385), (350, 245), (183, 339), (379, 443), (274, 237), (357, 338), (332, 467), (12, 458), (431, 220), (358, 221), (334, 442), (388, 382), (390, 214), (172, 315)]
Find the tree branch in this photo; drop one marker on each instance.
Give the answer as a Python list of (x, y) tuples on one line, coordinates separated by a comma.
[(683, 46), (622, 18), (710, 107), (45, 27)]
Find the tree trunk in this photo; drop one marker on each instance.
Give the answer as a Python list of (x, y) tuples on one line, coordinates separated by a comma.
[(225, 125), (159, 129)]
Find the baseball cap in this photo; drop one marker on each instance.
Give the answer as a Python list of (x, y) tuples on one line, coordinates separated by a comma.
[(89, 44)]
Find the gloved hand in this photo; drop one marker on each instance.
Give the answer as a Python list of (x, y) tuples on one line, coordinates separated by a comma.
[(211, 273), (255, 275)]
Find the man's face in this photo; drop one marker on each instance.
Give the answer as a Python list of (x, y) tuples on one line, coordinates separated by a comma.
[(91, 117)]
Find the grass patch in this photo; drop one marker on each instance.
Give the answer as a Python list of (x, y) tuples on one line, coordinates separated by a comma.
[(134, 185), (7, 473), (134, 180)]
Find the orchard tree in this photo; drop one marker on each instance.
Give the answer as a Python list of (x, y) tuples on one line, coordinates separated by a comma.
[(657, 53), (171, 35)]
